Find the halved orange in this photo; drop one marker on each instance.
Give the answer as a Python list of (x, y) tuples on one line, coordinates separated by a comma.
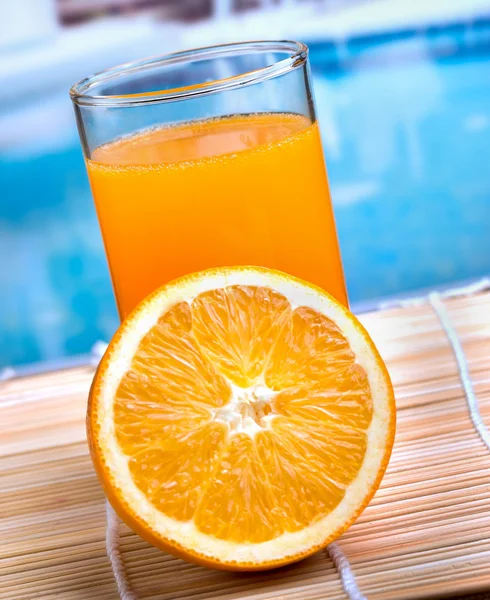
[(241, 418)]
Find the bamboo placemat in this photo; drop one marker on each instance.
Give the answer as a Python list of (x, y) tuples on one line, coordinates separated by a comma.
[(425, 534)]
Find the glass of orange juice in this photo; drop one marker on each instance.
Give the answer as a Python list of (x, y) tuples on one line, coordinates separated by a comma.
[(206, 158)]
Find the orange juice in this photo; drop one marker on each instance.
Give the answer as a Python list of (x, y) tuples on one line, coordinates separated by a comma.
[(241, 190)]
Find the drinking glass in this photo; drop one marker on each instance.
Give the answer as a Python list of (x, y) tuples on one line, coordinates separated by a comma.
[(205, 158)]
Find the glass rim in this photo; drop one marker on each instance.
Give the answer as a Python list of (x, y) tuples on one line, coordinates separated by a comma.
[(81, 95)]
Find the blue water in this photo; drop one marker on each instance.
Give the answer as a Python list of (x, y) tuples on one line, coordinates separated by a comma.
[(406, 127)]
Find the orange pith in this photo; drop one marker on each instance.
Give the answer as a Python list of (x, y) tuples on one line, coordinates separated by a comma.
[(241, 414)]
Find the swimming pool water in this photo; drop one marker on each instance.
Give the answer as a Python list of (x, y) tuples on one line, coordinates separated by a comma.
[(406, 130), (406, 126)]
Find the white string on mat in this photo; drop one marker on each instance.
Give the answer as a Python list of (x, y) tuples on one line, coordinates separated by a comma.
[(464, 372), (338, 557), (347, 576), (467, 290), (114, 554)]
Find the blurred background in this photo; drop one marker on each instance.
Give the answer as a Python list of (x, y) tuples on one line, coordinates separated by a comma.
[(403, 98)]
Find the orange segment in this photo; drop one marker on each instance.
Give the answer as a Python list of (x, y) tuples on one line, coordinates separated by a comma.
[(173, 473), (238, 502), (344, 399), (241, 418), (170, 369), (237, 327), (310, 348)]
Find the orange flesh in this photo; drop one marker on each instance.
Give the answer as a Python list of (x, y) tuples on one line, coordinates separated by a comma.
[(243, 190), (192, 465)]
